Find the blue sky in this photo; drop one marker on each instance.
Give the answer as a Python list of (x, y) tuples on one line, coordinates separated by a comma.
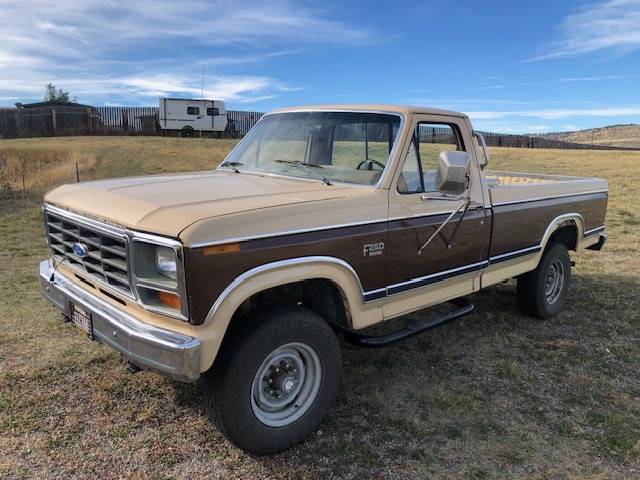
[(512, 66)]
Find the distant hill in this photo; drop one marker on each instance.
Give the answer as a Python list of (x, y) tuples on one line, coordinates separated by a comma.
[(617, 135)]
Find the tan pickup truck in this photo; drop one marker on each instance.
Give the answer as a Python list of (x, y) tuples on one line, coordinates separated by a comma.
[(321, 222)]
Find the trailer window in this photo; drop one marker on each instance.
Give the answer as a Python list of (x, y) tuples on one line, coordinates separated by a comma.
[(212, 112), (193, 110)]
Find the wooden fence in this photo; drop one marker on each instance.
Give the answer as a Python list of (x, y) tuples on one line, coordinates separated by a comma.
[(536, 141), (64, 121)]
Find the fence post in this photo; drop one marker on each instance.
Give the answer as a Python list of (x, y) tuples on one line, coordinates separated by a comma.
[(17, 122), (53, 122), (89, 121), (125, 120)]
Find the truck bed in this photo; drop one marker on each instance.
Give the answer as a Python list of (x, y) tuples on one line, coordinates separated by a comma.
[(512, 187)]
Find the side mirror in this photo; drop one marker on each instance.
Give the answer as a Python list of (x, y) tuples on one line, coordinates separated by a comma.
[(452, 176)]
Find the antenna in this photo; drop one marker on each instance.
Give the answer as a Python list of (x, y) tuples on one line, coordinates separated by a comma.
[(202, 96), (202, 89)]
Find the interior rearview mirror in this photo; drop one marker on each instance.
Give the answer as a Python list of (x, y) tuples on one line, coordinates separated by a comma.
[(452, 176)]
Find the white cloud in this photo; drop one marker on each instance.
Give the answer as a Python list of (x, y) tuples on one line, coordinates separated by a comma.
[(589, 79), (492, 87), (99, 50), (611, 25)]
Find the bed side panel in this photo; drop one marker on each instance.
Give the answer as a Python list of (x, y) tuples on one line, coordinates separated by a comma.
[(522, 225)]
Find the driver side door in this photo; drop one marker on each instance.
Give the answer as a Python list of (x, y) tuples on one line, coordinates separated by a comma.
[(449, 264)]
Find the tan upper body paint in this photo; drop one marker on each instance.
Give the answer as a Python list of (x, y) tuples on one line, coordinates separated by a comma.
[(221, 207)]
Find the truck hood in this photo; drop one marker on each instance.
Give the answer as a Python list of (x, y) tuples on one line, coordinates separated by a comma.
[(167, 204)]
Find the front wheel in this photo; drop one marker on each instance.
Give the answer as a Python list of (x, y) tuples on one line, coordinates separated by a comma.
[(543, 291), (273, 383)]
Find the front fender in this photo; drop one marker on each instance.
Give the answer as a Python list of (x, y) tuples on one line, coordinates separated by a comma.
[(280, 273)]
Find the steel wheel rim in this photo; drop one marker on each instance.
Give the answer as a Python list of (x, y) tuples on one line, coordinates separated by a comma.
[(286, 384), (555, 282)]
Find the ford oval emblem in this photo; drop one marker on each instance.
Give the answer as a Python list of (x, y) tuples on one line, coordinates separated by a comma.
[(80, 249)]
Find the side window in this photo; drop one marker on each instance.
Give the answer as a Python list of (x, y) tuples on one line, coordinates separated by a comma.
[(409, 181), (193, 110), (419, 169), (434, 138), (212, 111)]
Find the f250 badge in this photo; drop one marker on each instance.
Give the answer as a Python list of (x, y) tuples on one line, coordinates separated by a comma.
[(372, 249)]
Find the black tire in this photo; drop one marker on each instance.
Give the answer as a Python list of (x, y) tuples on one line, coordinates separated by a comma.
[(228, 388), (535, 296), (186, 132)]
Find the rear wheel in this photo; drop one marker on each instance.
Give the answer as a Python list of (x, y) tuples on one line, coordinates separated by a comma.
[(543, 291), (187, 132), (274, 381)]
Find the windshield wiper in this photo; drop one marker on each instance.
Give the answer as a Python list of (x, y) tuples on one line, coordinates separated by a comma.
[(308, 167)]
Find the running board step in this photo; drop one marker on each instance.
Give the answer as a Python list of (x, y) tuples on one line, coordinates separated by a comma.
[(463, 307)]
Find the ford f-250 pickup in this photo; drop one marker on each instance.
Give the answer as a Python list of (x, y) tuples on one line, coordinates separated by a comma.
[(321, 222)]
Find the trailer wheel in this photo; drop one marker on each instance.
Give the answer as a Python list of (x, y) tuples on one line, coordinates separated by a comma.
[(543, 291), (274, 380), (187, 132)]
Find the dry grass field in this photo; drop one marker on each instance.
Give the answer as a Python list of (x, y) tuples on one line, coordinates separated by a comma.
[(494, 395), (619, 135)]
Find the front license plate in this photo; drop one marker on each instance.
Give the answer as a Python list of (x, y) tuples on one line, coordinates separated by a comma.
[(82, 319)]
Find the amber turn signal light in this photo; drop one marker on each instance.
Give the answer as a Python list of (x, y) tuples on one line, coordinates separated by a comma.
[(170, 299), (218, 249)]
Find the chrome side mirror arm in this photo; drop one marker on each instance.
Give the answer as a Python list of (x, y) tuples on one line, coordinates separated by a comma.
[(463, 206), (483, 144)]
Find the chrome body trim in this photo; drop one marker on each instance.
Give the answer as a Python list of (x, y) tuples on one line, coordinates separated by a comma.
[(539, 199), (102, 226), (171, 353), (434, 277), (284, 233), (514, 254), (374, 294)]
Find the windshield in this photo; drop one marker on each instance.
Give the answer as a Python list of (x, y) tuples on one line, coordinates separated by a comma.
[(328, 146)]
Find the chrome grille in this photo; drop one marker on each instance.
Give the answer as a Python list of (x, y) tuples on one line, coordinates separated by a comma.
[(107, 253)]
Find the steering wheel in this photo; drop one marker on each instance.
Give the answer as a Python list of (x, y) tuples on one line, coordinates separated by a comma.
[(370, 164)]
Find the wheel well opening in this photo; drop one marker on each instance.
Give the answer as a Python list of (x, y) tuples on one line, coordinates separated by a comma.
[(567, 234), (319, 295)]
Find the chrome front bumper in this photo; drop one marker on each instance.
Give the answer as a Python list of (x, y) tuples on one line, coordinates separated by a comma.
[(173, 354)]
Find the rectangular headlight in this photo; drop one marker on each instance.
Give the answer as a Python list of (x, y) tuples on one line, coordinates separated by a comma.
[(159, 275), (166, 263)]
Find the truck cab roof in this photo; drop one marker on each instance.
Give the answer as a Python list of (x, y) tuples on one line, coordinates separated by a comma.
[(365, 107)]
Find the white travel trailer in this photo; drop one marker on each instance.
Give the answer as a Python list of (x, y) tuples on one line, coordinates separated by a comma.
[(192, 115)]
